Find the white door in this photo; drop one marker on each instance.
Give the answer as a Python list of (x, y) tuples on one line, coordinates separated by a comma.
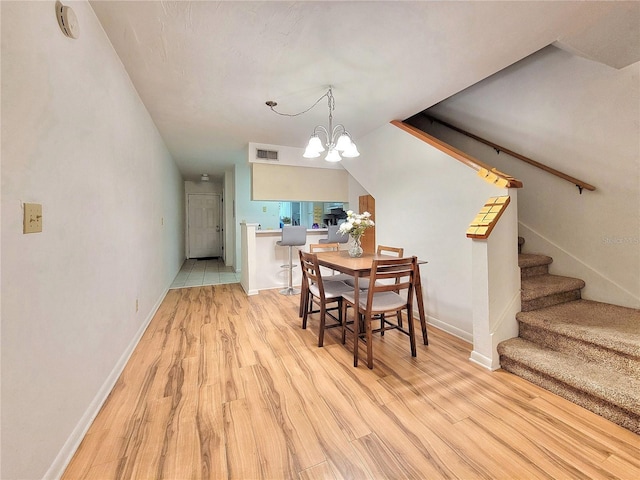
[(204, 230)]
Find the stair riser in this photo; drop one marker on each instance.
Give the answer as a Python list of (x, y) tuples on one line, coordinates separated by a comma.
[(549, 300), (600, 406), (613, 360), (533, 271)]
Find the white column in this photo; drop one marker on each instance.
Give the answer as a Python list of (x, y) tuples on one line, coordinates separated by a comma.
[(496, 287), (249, 266)]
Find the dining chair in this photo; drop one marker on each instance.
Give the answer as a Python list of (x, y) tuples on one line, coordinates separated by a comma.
[(323, 247), (330, 247), (322, 293), (385, 250), (390, 292), (331, 276)]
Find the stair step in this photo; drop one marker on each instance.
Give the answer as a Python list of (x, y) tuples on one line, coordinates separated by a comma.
[(542, 291), (594, 331), (532, 264), (527, 260), (543, 285), (597, 388)]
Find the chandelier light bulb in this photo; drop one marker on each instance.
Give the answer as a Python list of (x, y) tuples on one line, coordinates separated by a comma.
[(311, 152), (315, 144), (344, 142), (333, 156), (351, 151)]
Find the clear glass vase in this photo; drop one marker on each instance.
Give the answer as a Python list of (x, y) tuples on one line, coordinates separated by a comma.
[(355, 250)]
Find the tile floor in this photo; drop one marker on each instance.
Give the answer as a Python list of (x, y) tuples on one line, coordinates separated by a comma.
[(210, 271)]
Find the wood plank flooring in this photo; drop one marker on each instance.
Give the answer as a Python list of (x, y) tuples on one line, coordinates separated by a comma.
[(228, 386)]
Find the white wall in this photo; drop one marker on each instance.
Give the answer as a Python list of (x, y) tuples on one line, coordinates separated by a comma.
[(229, 219), (246, 209), (77, 139), (425, 201), (203, 187), (291, 156), (579, 117)]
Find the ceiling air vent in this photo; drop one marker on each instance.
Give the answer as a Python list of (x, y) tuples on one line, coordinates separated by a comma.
[(267, 154)]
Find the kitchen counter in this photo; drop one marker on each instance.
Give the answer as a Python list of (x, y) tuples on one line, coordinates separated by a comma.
[(262, 259)]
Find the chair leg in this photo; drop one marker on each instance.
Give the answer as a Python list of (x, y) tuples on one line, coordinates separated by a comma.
[(305, 314), (304, 298), (323, 319), (343, 314), (369, 337), (423, 326), (412, 331), (356, 334)]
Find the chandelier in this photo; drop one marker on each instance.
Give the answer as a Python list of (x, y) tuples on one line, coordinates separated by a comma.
[(337, 140)]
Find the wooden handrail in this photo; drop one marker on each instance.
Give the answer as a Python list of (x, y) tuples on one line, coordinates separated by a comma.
[(481, 167), (578, 183)]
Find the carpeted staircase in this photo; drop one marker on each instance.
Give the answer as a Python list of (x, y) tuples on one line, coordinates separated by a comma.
[(587, 352)]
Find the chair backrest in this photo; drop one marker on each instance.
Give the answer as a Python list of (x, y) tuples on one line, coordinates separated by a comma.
[(401, 270), (294, 235), (323, 247), (335, 236), (384, 250), (311, 271)]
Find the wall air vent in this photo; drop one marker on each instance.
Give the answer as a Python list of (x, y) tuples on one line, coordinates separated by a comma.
[(267, 154)]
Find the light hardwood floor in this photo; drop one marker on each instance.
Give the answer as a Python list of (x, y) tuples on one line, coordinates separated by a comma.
[(228, 386)]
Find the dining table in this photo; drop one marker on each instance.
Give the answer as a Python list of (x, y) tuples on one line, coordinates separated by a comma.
[(360, 267)]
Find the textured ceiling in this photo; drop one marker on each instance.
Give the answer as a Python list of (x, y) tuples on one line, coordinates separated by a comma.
[(205, 69)]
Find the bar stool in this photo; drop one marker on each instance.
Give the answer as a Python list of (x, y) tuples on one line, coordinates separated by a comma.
[(292, 236), (334, 235)]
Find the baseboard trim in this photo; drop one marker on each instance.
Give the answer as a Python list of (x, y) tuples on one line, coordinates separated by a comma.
[(445, 327), (60, 463), (482, 361)]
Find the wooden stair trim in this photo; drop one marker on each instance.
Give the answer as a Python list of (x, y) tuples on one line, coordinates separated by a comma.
[(498, 148), (459, 155)]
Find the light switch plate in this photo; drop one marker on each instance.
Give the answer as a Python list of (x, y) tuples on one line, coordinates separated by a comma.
[(32, 218)]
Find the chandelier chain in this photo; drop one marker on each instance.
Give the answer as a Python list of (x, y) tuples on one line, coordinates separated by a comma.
[(328, 94)]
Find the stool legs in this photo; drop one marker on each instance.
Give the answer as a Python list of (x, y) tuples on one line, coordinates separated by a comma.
[(290, 290)]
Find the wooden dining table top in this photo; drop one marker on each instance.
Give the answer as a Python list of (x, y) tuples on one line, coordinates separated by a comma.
[(342, 262), (349, 264)]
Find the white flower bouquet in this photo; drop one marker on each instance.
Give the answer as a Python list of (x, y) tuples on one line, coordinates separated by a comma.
[(356, 224)]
